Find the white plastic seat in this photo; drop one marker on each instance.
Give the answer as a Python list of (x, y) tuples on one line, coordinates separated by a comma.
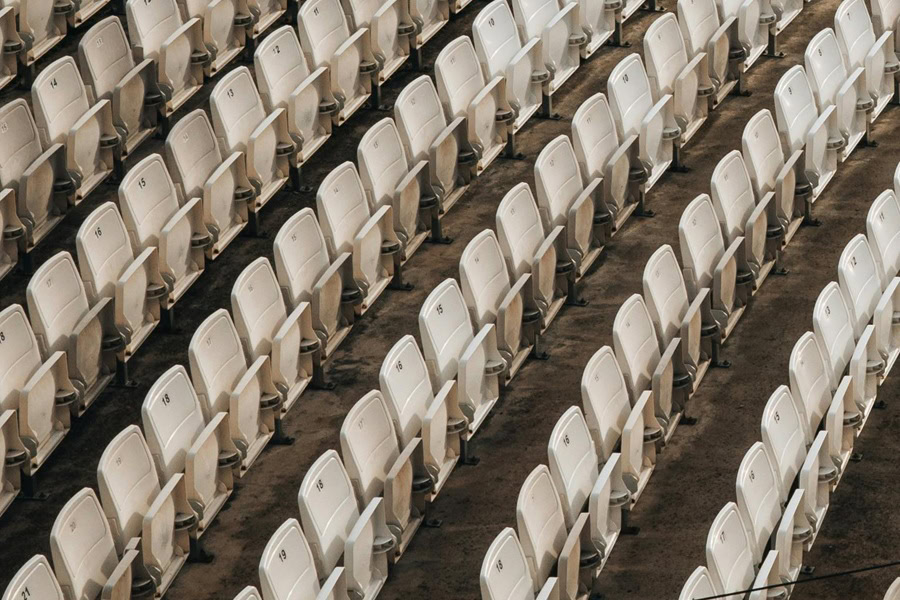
[(709, 263), (64, 115), (428, 136), (883, 233), (699, 585), (564, 200), (416, 411), (765, 162), (810, 379), (505, 574), (464, 92), (598, 22), (350, 226), (636, 113), (558, 26), (740, 215), (287, 570), (13, 230), (157, 32), (35, 579), (226, 383), (454, 349), (286, 81), (328, 41), (225, 26), (429, 17), (672, 71), (803, 127), (44, 22), (84, 554), (251, 593), (267, 328), (16, 456), (833, 84), (243, 125), (784, 437), (842, 423), (199, 169), (528, 250), (138, 505), (64, 320), (335, 527), (861, 48), (155, 219), (729, 555), (181, 441), (785, 11), (501, 52), (390, 26), (705, 33), (885, 16), (893, 592), (816, 478)]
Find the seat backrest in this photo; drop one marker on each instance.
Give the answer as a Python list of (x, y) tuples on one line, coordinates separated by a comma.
[(104, 56), (519, 229), (496, 38), (20, 355), (504, 571), (236, 109), (853, 27), (172, 418), (484, 279), (217, 362), (20, 142), (825, 67), (323, 27), (258, 307), (419, 117), (665, 52), (665, 293), (533, 15), (758, 499), (445, 329), (279, 66), (104, 251), (834, 328), (286, 569), (573, 462), (406, 388), (301, 256), (557, 180), (885, 14), (605, 401), (810, 381), (193, 153), (541, 523), (382, 162), (249, 593), (128, 483), (732, 194), (458, 75), (699, 20), (148, 200), (860, 281), (630, 97), (342, 207), (34, 580), (328, 509), (636, 344), (883, 233), (700, 239), (81, 543), (594, 136), (762, 152), (56, 301), (369, 445), (151, 23), (784, 438), (59, 100), (795, 107), (700, 583), (728, 552)]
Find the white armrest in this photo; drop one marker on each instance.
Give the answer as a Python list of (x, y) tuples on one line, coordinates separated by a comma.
[(320, 81), (384, 30), (580, 222), (663, 375), (550, 591), (543, 268), (364, 547), (661, 116), (339, 275), (850, 97), (522, 69), (82, 348), (287, 346), (726, 273), (509, 315), (559, 27), (398, 492), (864, 352), (192, 31), (603, 506), (131, 290), (694, 76), (192, 213), (717, 50), (160, 534), (483, 109), (346, 60), (446, 147), (244, 402), (883, 318), (691, 326), (568, 565), (381, 224), (260, 142), (222, 185), (93, 124), (820, 132), (406, 199), (620, 160), (119, 583), (792, 531), (335, 587), (141, 76), (785, 184), (755, 231), (211, 443), (879, 56), (32, 189)]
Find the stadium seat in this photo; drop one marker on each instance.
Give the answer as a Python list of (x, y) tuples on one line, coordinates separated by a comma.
[(810, 380), (501, 52), (287, 569), (564, 200), (816, 478), (646, 369), (699, 585), (675, 316), (505, 574), (158, 33), (350, 226), (893, 592), (155, 219), (64, 320), (885, 17), (335, 528), (549, 547), (527, 249), (242, 125), (16, 456), (842, 422), (84, 10), (672, 71), (266, 328), (226, 383), (389, 180), (784, 436), (379, 467), (225, 25), (110, 73), (861, 48), (13, 230), (251, 593), (199, 169), (181, 441), (416, 411), (286, 81), (454, 349), (768, 578), (429, 18), (598, 22), (785, 12), (883, 233), (802, 127), (758, 500), (347, 54), (34, 580), (601, 156), (833, 84), (428, 136), (709, 263), (635, 113), (306, 274), (41, 184), (64, 115), (390, 27), (765, 162), (464, 93), (44, 23), (138, 505), (729, 552), (704, 33)]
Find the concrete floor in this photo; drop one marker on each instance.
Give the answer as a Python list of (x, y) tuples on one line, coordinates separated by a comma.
[(696, 473)]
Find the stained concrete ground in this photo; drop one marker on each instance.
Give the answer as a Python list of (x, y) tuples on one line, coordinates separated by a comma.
[(695, 474)]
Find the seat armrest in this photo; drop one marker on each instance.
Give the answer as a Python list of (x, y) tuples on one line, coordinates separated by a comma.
[(455, 130), (342, 269), (560, 26), (287, 345), (83, 130), (883, 317), (785, 183), (145, 72), (221, 184), (192, 31), (53, 376), (663, 375), (733, 260), (692, 326), (30, 193), (406, 199), (160, 535), (820, 132), (520, 78), (568, 568), (661, 116), (368, 542), (104, 313), (699, 65), (335, 587), (511, 311), (277, 121), (355, 49), (717, 49), (383, 27), (119, 583), (580, 221), (319, 80), (382, 220), (218, 429), (543, 266), (877, 58), (398, 485), (483, 109), (192, 212), (131, 284)]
